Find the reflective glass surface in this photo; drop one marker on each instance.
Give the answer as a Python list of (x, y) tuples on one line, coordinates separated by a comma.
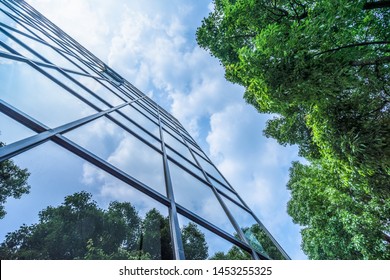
[(199, 198), (52, 105), (12, 131), (253, 232), (202, 244), (140, 119), (77, 211), (123, 150)]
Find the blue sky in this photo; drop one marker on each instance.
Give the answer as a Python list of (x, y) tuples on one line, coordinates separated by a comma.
[(152, 44)]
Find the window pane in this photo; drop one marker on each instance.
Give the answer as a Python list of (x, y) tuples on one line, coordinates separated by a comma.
[(202, 244), (87, 213), (34, 94), (199, 198), (225, 190), (136, 129), (12, 131), (178, 146), (143, 121), (210, 169), (121, 149), (185, 163), (254, 233)]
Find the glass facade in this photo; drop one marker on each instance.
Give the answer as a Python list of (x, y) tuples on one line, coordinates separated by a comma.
[(91, 168)]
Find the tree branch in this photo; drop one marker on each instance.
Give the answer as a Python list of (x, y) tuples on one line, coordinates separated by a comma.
[(376, 5), (353, 46)]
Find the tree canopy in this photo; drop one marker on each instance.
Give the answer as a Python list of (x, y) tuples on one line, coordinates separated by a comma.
[(79, 229), (323, 68), (13, 182)]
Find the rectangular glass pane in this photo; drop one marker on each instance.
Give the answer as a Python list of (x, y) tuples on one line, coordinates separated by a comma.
[(210, 169), (76, 211), (123, 150), (137, 130), (254, 233), (140, 119), (178, 146), (199, 198), (31, 92), (225, 190), (12, 131), (100, 90), (202, 244), (185, 163)]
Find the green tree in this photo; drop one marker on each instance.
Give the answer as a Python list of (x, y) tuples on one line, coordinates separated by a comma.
[(234, 253), (13, 182), (76, 229), (79, 229), (194, 242), (323, 68), (339, 221), (156, 239)]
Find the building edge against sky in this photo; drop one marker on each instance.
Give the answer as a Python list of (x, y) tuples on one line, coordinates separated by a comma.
[(75, 123)]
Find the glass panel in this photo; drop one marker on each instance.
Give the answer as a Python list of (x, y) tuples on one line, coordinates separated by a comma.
[(31, 92), (47, 52), (137, 130), (78, 89), (255, 235), (225, 190), (101, 91), (199, 198), (140, 119), (170, 130), (177, 146), (85, 213), (196, 149), (12, 131), (152, 115), (185, 163), (109, 87), (80, 63), (202, 244), (121, 149), (210, 169)]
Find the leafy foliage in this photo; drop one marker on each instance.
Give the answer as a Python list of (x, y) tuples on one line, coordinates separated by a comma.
[(79, 229), (323, 67), (13, 182)]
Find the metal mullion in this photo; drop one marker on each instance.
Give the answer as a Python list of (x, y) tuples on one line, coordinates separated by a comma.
[(30, 62), (134, 133), (47, 65), (276, 243), (64, 50), (147, 110), (146, 116), (188, 170), (91, 158), (35, 140), (221, 202), (214, 229), (137, 125), (177, 241), (34, 22), (39, 40), (39, 69)]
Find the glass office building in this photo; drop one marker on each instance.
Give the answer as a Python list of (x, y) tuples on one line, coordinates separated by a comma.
[(73, 127)]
